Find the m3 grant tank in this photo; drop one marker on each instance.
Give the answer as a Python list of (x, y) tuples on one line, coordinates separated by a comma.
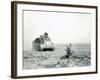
[(43, 43)]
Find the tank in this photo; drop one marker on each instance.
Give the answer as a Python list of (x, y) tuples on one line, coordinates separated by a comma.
[(43, 43)]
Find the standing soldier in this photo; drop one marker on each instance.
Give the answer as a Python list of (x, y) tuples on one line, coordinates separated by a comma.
[(46, 37), (69, 50), (41, 39)]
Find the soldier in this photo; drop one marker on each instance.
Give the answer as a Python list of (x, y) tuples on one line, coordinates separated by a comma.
[(69, 50), (46, 37), (42, 39)]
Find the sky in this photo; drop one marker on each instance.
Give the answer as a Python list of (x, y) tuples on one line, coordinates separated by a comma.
[(61, 27)]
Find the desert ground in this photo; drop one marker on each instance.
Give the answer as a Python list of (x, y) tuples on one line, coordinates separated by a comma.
[(80, 57)]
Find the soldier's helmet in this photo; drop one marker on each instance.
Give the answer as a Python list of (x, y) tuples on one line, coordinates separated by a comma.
[(45, 33), (41, 36)]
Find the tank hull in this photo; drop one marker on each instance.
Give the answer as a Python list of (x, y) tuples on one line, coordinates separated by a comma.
[(46, 46)]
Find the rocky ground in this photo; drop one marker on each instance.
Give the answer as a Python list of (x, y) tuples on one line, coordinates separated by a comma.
[(55, 59)]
